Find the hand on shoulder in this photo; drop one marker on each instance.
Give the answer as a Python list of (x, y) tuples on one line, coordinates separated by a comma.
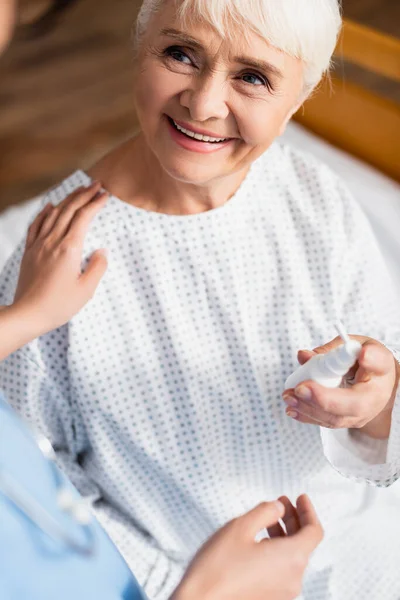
[(51, 287)]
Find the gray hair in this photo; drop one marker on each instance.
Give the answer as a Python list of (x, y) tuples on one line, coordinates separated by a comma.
[(305, 29)]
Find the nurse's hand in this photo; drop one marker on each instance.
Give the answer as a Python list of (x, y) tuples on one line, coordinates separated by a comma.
[(233, 566), (52, 287), (365, 403)]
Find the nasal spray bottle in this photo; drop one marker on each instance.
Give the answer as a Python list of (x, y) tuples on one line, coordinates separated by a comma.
[(328, 369)]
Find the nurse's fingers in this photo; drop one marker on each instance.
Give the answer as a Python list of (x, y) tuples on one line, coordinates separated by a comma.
[(82, 219), (51, 219), (70, 208), (259, 518), (290, 518), (37, 224), (311, 533), (90, 279)]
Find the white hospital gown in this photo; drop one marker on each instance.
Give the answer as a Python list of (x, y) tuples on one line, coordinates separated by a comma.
[(163, 396)]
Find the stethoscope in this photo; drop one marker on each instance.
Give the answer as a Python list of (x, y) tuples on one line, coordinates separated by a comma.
[(75, 508)]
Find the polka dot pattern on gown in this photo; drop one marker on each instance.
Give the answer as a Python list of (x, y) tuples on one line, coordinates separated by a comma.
[(163, 396)]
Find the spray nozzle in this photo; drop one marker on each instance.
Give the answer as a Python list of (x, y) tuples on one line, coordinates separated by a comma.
[(343, 358), (342, 332)]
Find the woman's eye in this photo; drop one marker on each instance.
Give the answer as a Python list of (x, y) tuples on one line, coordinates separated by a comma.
[(178, 55), (254, 79)]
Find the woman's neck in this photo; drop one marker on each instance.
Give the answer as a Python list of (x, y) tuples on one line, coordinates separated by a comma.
[(133, 174)]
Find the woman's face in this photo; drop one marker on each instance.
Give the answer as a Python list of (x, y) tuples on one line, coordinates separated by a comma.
[(240, 92)]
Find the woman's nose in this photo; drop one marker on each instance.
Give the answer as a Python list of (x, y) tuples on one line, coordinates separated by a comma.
[(207, 99)]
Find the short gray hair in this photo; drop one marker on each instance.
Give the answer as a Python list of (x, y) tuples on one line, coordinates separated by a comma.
[(304, 29)]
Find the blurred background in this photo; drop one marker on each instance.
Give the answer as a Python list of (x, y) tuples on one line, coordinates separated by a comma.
[(66, 81)]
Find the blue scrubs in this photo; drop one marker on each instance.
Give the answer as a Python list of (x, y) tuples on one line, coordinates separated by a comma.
[(45, 554)]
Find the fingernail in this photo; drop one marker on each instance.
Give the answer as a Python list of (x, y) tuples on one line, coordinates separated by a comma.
[(280, 507), (303, 392), (290, 401), (104, 252), (292, 414)]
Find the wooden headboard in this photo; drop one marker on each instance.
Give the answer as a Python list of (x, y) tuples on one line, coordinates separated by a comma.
[(347, 115)]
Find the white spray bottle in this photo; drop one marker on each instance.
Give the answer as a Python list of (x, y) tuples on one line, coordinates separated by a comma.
[(328, 369)]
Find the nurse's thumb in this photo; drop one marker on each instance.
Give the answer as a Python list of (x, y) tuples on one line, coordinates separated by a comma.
[(264, 515), (94, 272)]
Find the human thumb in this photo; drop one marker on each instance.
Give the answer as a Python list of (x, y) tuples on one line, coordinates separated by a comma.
[(94, 272), (304, 355), (262, 516)]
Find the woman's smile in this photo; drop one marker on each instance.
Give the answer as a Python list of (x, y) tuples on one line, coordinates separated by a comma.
[(194, 141)]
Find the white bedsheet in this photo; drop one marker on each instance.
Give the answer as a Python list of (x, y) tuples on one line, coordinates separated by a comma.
[(378, 195)]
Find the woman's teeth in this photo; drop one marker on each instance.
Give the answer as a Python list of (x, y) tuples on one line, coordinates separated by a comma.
[(198, 136)]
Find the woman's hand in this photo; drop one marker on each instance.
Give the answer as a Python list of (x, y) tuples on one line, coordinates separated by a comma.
[(367, 401), (233, 566), (51, 287)]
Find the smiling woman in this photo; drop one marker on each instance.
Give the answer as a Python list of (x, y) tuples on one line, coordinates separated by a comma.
[(203, 89), (228, 252), (212, 87)]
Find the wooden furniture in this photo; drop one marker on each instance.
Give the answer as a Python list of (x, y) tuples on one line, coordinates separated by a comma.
[(353, 118)]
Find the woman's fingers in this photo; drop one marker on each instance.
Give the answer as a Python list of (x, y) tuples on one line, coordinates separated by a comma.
[(374, 359), (71, 209), (336, 407), (305, 413), (304, 356), (35, 227), (353, 406), (306, 419)]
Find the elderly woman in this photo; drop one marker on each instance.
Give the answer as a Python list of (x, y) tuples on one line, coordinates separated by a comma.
[(228, 252), (51, 289)]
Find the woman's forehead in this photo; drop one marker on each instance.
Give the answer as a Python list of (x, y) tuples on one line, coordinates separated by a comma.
[(240, 42)]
